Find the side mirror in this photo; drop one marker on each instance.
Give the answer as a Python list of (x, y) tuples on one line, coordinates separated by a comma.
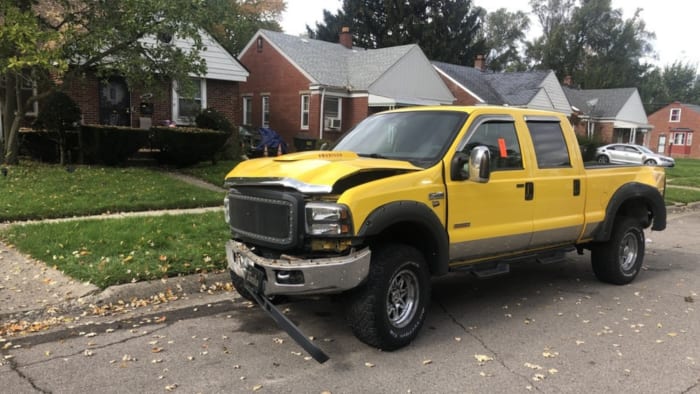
[(480, 164), (458, 168)]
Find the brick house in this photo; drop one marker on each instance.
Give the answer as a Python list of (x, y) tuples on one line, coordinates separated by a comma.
[(609, 115), (532, 89), (314, 89), (112, 103), (673, 128)]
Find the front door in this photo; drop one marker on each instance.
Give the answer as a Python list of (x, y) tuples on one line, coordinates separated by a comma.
[(115, 102), (493, 218), (662, 144)]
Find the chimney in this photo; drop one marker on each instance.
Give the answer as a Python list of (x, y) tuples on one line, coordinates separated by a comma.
[(568, 81), (479, 62), (345, 37)]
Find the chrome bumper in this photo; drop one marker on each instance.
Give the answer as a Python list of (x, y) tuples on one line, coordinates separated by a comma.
[(321, 276)]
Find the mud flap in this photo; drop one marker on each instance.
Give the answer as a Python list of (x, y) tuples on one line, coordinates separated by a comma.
[(287, 325)]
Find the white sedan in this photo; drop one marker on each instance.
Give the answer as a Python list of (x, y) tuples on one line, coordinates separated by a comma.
[(631, 154)]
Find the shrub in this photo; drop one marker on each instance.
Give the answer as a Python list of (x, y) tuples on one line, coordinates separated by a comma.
[(184, 146), (44, 146), (59, 113), (111, 145), (212, 119), (588, 147)]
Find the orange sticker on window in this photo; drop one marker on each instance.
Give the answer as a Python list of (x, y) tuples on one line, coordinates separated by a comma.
[(502, 147)]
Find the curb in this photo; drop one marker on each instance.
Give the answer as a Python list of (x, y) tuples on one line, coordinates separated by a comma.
[(179, 285)]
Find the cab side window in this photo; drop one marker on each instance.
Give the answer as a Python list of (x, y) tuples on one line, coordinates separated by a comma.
[(501, 139), (550, 146)]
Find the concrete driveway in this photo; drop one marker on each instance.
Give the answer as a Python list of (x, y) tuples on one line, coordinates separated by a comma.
[(542, 328)]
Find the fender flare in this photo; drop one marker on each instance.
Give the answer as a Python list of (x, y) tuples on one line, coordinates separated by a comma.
[(411, 211), (649, 195)]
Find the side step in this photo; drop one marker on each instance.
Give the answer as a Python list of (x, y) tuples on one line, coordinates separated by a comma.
[(498, 269)]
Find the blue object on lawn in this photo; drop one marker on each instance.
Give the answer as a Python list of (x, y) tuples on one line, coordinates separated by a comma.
[(272, 140)]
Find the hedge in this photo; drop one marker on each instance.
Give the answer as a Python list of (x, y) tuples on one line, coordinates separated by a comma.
[(184, 146), (111, 145)]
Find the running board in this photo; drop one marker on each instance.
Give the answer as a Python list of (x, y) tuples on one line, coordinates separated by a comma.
[(498, 269)]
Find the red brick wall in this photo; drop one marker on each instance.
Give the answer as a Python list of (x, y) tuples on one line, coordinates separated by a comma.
[(662, 126), (84, 92), (271, 74), (463, 98)]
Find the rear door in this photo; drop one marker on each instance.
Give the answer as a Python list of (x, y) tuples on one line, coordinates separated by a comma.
[(559, 182), (493, 218)]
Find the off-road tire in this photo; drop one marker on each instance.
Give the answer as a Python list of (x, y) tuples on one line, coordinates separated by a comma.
[(619, 260), (389, 309)]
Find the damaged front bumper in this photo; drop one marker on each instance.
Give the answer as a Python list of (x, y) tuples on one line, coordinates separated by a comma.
[(290, 276)]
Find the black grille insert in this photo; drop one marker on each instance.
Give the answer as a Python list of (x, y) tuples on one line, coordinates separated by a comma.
[(268, 217)]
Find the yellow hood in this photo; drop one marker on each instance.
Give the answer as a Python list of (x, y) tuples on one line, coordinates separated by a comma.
[(315, 168)]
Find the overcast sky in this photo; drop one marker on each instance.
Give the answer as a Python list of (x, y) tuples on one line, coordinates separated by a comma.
[(672, 21)]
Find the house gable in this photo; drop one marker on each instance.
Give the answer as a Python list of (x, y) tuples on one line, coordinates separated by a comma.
[(633, 110), (426, 88)]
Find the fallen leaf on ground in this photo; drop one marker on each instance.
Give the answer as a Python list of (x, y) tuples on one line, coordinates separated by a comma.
[(482, 358)]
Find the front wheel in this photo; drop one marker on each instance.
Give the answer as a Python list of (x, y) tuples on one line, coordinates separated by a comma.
[(389, 309), (602, 159), (619, 260), (650, 162)]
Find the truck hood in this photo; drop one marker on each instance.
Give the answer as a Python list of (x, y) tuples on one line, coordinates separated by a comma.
[(314, 172)]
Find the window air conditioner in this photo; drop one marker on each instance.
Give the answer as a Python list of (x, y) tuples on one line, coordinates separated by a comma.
[(332, 123)]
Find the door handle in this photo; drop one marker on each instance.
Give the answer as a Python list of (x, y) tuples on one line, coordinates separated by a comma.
[(529, 190), (577, 187)]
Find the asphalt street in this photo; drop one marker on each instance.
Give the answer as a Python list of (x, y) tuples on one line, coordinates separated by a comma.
[(542, 328)]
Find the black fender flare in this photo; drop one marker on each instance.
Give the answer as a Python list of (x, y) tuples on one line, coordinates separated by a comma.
[(649, 195), (415, 212)]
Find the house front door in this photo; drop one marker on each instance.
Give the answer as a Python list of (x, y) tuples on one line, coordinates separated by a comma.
[(115, 103), (662, 144)]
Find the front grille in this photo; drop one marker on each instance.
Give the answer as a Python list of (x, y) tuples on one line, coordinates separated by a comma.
[(266, 217)]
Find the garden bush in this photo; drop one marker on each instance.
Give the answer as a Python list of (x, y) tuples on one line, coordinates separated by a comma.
[(185, 146), (44, 146), (212, 119), (59, 114), (111, 145)]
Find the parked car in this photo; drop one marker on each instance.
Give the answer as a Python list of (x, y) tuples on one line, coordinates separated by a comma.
[(632, 154)]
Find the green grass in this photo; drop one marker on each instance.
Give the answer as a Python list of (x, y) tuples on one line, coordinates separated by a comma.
[(685, 173), (36, 191), (113, 251), (677, 195), (212, 173)]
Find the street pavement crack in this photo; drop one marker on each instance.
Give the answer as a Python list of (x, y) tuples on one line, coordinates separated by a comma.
[(691, 388), (16, 369), (497, 358)]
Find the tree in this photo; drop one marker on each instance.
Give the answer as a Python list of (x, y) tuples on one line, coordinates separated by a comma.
[(242, 18), (446, 30), (60, 40), (504, 34), (591, 42)]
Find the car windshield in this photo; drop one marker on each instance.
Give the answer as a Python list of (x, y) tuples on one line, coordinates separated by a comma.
[(644, 149), (420, 137)]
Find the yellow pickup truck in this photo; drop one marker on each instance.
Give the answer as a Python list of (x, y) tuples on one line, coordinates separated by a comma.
[(419, 192)]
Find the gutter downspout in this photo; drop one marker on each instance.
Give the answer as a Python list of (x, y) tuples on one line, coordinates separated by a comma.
[(320, 116)]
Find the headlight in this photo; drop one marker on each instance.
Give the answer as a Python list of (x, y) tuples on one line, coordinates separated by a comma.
[(328, 219)]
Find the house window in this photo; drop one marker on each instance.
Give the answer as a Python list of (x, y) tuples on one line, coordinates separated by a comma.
[(187, 108), (247, 110), (332, 113), (27, 90), (305, 100), (679, 139), (265, 111), (689, 139), (675, 115)]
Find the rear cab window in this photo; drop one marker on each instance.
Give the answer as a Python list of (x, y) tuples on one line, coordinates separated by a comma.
[(550, 146)]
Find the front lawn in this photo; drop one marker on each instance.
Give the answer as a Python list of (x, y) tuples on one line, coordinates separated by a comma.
[(212, 173), (685, 173), (113, 251), (36, 191)]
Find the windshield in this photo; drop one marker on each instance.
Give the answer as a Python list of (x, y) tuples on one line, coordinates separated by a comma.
[(420, 137), (644, 149)]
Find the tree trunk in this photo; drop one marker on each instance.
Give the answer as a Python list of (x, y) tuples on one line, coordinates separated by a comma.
[(11, 121)]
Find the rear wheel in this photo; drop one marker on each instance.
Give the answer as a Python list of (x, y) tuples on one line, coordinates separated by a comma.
[(602, 159), (389, 309), (619, 260)]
